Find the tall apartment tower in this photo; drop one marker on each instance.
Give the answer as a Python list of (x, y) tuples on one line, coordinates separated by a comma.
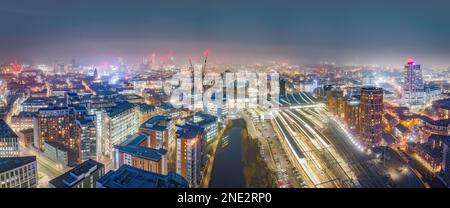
[(282, 87), (352, 112), (58, 134), (190, 151), (161, 131), (371, 115), (413, 87)]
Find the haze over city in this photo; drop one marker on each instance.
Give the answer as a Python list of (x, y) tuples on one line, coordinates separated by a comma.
[(224, 94), (300, 32)]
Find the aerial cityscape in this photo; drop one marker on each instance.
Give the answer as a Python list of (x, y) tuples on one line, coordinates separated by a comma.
[(203, 94)]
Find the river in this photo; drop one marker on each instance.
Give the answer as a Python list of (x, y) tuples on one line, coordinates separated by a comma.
[(238, 163)]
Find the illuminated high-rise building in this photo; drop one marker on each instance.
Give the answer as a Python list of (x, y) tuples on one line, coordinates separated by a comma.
[(282, 87), (207, 122), (161, 131), (335, 98), (190, 151), (58, 134), (371, 115), (115, 125), (218, 107), (88, 138), (136, 152), (145, 112), (413, 86), (351, 112)]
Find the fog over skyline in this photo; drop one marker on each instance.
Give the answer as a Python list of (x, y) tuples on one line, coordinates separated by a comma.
[(301, 32)]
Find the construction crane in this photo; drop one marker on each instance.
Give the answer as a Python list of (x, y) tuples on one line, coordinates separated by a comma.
[(205, 53)]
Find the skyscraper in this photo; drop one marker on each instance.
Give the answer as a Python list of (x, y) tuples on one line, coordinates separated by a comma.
[(413, 87), (282, 87), (371, 115)]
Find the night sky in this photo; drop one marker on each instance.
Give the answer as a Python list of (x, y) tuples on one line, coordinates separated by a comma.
[(91, 31)]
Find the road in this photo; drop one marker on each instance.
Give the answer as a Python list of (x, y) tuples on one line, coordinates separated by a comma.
[(47, 169)]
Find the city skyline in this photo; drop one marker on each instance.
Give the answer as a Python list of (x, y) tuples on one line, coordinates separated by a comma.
[(301, 32), (224, 94)]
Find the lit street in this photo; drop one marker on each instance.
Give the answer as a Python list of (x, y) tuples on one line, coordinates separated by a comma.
[(47, 169)]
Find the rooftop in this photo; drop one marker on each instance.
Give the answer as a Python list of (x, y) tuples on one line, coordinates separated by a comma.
[(28, 131), (120, 108), (158, 123), (5, 130), (132, 146), (389, 117), (353, 100), (429, 150), (389, 139), (401, 128), (129, 96), (86, 119), (58, 145), (39, 100), (24, 114), (202, 119), (166, 106), (371, 88), (10, 163), (55, 108), (444, 104), (438, 137), (130, 177), (441, 122), (189, 131), (72, 177), (146, 107)]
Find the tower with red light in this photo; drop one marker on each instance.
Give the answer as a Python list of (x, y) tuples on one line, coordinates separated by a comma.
[(413, 86)]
